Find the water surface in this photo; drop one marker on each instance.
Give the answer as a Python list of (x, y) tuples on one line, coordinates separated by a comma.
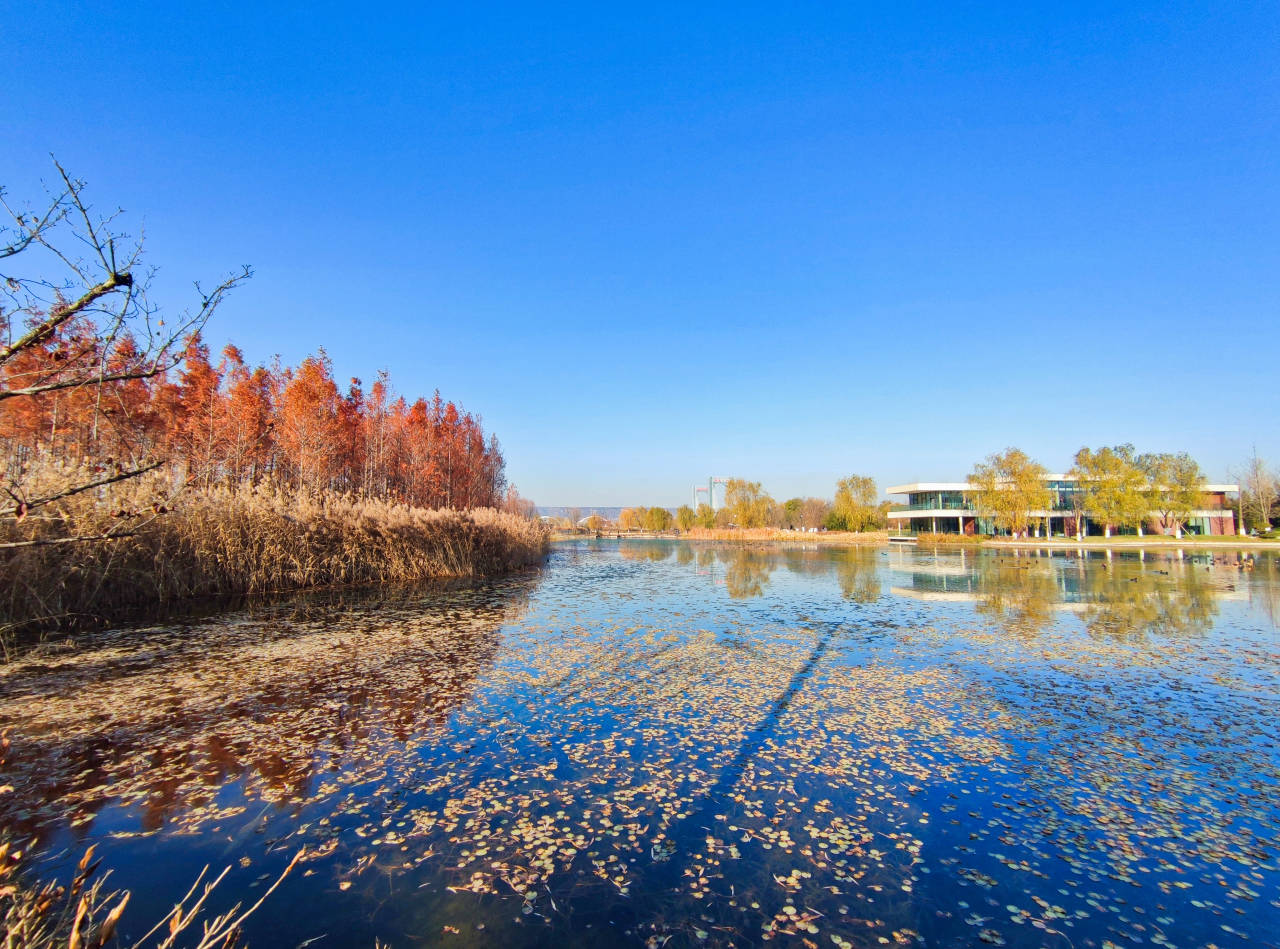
[(656, 743)]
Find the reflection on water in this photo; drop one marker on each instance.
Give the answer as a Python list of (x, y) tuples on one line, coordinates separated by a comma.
[(269, 697), (665, 744)]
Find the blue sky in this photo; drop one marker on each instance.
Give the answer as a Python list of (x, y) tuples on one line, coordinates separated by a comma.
[(778, 241)]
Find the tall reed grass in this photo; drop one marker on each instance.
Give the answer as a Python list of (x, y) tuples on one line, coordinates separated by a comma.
[(230, 541), (926, 539)]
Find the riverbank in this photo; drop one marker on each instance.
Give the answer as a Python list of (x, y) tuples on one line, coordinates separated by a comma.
[(742, 535), (1150, 542), (230, 542), (969, 541)]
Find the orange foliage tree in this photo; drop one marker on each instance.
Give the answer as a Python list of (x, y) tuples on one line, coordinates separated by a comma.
[(90, 378)]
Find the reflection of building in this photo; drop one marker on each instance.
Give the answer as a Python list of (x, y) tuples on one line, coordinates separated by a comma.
[(1113, 595), (948, 508)]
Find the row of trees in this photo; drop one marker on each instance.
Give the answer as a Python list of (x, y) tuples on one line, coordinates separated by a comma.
[(1117, 488), (746, 504), (228, 422), (92, 380)]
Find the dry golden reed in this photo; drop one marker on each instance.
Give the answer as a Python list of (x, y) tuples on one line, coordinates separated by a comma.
[(232, 541)]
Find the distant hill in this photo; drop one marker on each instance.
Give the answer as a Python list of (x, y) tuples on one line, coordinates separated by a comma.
[(608, 513)]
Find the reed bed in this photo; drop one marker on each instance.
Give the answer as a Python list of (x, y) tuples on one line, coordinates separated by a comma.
[(926, 539), (169, 546)]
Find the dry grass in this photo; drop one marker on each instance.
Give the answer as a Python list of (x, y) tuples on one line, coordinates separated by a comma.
[(169, 546), (926, 539), (81, 916)]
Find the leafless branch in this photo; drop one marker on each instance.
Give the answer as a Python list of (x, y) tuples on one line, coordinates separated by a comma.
[(66, 540), (39, 502)]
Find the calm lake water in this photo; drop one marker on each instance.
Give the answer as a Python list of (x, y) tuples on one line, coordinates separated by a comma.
[(656, 743)]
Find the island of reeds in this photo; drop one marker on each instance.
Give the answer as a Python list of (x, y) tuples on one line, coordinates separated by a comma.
[(139, 471)]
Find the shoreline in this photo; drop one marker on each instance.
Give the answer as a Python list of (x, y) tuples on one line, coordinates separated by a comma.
[(1136, 543), (882, 538)]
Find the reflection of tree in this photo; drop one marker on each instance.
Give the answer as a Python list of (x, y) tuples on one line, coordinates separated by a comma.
[(1121, 597), (746, 572), (1264, 588), (684, 555), (857, 575), (271, 695), (1019, 592), (1126, 599), (654, 550)]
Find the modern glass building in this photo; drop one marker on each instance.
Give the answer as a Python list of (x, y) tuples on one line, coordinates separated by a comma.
[(947, 508)]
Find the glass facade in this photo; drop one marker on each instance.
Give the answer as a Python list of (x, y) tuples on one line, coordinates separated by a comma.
[(950, 511), (938, 501)]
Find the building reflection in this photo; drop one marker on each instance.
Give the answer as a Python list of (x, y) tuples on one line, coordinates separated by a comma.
[(1114, 595), (1165, 592)]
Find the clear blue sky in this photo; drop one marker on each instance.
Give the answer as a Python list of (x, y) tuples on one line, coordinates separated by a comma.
[(781, 241)]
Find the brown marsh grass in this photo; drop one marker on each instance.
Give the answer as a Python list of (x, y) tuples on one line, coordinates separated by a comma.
[(926, 539), (166, 546)]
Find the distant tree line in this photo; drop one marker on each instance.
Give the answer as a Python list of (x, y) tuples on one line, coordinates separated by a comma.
[(747, 505), (229, 422)]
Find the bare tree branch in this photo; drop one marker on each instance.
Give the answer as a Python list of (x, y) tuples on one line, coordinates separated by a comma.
[(65, 540), (40, 502), (42, 331)]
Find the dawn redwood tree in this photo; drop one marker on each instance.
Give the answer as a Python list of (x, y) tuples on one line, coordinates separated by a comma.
[(76, 317), (93, 381), (248, 417), (308, 424), (201, 418)]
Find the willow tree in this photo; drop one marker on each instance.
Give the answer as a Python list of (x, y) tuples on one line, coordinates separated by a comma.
[(631, 519), (746, 503), (657, 519), (1008, 488), (1114, 487), (705, 515), (855, 502), (1175, 488)]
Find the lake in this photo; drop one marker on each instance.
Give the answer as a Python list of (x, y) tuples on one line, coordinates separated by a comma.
[(656, 743)]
